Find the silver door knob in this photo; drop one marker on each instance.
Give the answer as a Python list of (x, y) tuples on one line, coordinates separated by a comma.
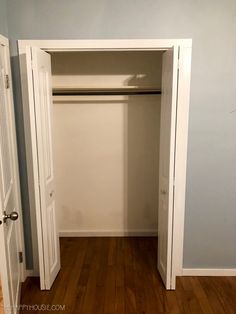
[(13, 216)]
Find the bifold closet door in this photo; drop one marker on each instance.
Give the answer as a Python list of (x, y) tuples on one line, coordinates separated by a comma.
[(48, 239), (166, 166)]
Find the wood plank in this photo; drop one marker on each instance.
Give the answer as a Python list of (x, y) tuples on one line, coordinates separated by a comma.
[(119, 276)]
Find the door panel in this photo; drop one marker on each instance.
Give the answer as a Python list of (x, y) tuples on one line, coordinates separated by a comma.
[(166, 167), (49, 251), (9, 229), (52, 237)]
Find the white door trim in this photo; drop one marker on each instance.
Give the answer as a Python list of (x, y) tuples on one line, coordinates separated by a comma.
[(185, 49), (104, 44)]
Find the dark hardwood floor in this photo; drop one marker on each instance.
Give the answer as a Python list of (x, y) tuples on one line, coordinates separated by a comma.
[(118, 275)]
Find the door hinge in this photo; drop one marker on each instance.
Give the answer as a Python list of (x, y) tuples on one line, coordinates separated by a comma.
[(7, 81), (20, 257)]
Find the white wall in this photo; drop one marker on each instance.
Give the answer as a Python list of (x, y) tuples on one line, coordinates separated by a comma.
[(106, 147)]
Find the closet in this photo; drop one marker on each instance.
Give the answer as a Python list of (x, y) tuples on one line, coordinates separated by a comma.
[(106, 132)]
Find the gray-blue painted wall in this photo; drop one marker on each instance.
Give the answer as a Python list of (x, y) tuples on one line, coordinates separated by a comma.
[(3, 18), (20, 136), (210, 223)]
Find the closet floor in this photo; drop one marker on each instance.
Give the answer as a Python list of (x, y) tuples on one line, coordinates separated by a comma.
[(118, 275)]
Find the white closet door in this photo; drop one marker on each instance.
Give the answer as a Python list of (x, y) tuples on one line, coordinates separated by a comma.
[(166, 167), (9, 209), (48, 239)]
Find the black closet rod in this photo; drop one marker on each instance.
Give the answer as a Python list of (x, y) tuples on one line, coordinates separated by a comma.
[(105, 91)]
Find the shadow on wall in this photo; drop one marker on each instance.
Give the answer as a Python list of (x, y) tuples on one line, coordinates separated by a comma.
[(141, 155), (21, 147)]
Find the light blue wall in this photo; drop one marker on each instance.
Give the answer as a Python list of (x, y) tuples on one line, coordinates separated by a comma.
[(3, 18), (210, 226)]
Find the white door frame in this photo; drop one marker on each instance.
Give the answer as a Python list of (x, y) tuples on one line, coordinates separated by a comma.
[(5, 43), (184, 67)]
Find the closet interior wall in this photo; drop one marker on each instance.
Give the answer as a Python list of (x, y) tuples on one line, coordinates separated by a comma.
[(106, 148)]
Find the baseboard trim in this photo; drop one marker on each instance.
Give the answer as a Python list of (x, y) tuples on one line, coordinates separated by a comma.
[(209, 272), (31, 273), (107, 233)]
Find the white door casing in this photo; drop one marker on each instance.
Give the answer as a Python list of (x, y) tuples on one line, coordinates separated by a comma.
[(48, 239), (10, 230), (166, 165)]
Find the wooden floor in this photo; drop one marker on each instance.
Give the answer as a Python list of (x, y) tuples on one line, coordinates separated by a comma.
[(118, 275), (1, 300)]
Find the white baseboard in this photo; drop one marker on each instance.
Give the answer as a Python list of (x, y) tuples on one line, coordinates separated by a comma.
[(107, 233), (209, 272), (31, 273)]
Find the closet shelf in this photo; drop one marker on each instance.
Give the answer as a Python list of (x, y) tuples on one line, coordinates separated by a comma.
[(66, 91)]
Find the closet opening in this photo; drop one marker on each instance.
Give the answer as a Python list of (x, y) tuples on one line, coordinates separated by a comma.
[(106, 145), (106, 156)]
